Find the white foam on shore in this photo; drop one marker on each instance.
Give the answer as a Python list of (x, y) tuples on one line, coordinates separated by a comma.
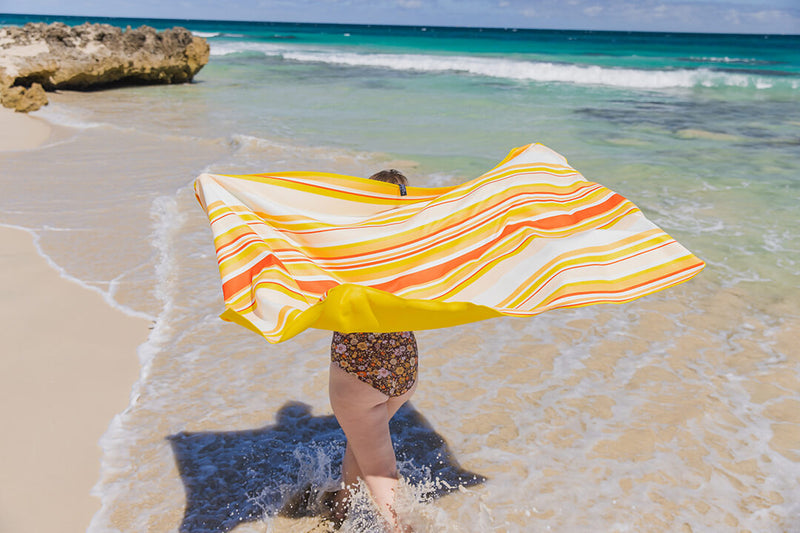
[(70, 117), (167, 222), (510, 69), (108, 295)]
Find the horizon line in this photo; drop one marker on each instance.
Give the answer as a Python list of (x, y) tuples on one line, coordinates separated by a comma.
[(368, 24)]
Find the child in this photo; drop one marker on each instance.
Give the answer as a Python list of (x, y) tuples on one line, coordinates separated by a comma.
[(371, 376)]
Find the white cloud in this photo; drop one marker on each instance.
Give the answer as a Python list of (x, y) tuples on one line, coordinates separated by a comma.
[(529, 12), (593, 11), (732, 16), (763, 21), (409, 4), (768, 15)]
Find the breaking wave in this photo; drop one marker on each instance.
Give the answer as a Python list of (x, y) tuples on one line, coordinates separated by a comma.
[(516, 69)]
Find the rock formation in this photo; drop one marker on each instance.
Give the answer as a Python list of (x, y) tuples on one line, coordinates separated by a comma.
[(39, 57)]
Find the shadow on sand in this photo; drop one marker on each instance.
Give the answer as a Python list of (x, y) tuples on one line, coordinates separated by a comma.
[(241, 476)]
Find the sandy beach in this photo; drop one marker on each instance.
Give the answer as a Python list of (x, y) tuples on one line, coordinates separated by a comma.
[(19, 131), (68, 365), (675, 412)]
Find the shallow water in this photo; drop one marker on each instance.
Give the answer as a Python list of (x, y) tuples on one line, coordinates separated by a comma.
[(677, 412)]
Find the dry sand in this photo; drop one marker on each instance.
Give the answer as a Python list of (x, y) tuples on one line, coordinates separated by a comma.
[(68, 365), (19, 131)]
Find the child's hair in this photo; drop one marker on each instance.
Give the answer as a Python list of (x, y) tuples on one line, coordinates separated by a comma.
[(390, 176)]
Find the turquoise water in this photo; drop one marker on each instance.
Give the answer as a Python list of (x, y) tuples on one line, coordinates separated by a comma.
[(701, 131)]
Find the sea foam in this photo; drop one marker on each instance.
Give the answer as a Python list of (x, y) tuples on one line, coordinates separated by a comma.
[(205, 34), (510, 69)]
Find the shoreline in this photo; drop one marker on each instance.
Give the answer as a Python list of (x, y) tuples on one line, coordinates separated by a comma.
[(68, 367)]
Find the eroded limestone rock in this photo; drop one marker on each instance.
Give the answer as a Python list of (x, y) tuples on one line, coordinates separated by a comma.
[(57, 56), (25, 99)]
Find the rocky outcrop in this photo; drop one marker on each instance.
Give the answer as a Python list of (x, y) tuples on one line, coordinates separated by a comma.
[(25, 99), (38, 57)]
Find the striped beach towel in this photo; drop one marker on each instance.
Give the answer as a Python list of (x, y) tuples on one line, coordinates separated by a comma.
[(309, 249)]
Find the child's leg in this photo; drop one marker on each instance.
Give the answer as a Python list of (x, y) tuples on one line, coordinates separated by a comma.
[(364, 413)]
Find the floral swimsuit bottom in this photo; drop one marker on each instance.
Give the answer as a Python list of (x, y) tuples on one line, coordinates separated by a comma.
[(386, 361)]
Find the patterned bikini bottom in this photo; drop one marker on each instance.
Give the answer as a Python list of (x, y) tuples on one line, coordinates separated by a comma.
[(386, 361)]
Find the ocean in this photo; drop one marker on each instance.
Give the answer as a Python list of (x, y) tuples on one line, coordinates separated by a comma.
[(676, 412)]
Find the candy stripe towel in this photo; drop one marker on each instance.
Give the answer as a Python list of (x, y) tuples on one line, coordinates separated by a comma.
[(311, 249)]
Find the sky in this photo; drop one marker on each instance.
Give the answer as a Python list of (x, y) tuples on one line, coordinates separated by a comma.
[(705, 16)]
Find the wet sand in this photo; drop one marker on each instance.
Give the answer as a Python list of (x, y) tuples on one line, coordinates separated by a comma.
[(68, 365)]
